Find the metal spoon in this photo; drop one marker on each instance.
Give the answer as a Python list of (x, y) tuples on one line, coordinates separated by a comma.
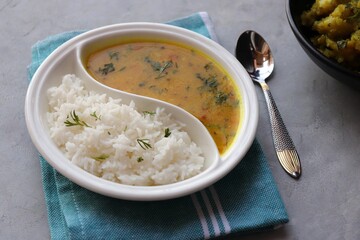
[(254, 54)]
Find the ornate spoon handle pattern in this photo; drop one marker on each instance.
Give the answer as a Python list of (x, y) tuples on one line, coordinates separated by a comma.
[(284, 146)]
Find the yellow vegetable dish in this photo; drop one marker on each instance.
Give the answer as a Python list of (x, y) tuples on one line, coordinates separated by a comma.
[(336, 23), (176, 74)]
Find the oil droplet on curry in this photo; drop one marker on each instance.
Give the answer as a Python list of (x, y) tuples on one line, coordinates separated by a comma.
[(175, 74)]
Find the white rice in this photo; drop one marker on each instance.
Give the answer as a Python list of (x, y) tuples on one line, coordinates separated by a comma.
[(112, 146)]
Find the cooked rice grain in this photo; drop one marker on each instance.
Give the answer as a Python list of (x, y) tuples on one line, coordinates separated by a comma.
[(114, 146)]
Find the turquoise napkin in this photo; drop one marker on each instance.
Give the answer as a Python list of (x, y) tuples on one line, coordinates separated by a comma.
[(245, 201)]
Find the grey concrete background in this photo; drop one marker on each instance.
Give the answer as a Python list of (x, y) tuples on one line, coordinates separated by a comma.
[(322, 115)]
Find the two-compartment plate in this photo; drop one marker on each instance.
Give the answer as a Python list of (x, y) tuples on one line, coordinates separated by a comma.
[(69, 59)]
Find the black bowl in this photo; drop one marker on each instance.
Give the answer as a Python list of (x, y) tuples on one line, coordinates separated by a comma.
[(294, 8)]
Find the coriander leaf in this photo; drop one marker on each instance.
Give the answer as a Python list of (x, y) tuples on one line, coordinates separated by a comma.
[(341, 44), (148, 113), (114, 55), (108, 67), (144, 143), (95, 116), (159, 67), (101, 158), (167, 132), (75, 120), (221, 97)]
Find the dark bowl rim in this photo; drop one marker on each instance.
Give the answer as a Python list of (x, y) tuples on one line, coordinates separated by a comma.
[(308, 45)]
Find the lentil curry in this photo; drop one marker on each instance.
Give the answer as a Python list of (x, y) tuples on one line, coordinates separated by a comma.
[(176, 74)]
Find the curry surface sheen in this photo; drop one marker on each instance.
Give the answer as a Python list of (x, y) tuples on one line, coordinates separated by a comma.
[(176, 74)]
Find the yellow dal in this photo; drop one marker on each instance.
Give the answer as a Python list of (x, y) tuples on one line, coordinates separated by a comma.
[(175, 74)]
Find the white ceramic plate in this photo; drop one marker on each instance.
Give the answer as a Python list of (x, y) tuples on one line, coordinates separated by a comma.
[(68, 59)]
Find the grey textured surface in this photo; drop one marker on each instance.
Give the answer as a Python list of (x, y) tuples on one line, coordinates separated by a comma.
[(321, 114)]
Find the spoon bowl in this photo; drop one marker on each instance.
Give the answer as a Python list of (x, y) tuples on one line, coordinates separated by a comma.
[(254, 53)]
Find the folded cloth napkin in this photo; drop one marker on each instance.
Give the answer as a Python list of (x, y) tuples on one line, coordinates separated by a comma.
[(246, 200)]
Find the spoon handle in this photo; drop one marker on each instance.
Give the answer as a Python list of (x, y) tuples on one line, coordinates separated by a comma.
[(284, 146)]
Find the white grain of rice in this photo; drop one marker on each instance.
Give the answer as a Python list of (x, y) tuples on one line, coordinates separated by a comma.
[(108, 148)]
